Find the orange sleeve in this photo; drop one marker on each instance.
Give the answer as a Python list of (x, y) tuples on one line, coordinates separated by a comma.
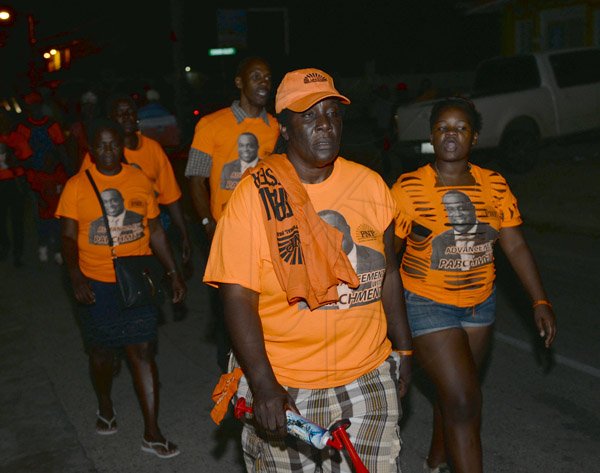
[(511, 217), (153, 209), (203, 134), (235, 252), (86, 163), (166, 183), (67, 204)]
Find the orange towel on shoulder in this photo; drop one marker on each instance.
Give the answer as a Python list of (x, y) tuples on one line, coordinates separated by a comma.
[(306, 251)]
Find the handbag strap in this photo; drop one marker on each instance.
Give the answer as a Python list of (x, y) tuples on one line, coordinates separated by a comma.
[(97, 192)]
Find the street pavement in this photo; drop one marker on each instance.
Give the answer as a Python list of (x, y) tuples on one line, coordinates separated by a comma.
[(541, 408)]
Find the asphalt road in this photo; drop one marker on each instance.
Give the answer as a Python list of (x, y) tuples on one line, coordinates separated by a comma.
[(541, 408)]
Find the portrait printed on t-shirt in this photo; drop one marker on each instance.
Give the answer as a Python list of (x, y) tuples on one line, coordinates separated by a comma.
[(469, 243), (368, 263), (125, 225), (247, 144)]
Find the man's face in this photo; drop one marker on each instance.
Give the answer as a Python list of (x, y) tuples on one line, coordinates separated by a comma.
[(113, 203), (107, 150), (254, 83), (247, 148), (461, 212), (314, 135), (126, 115)]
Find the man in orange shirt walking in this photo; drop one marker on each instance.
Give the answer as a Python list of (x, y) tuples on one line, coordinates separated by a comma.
[(215, 144)]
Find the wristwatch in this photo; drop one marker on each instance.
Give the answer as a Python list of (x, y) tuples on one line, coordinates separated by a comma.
[(205, 221)]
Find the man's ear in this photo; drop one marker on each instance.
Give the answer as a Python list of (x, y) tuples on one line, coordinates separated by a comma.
[(283, 131), (238, 82), (475, 139)]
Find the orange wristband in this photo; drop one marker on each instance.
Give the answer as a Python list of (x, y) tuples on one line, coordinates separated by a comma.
[(541, 302), (405, 352)]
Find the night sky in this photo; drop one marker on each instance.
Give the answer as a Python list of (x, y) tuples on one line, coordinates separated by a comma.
[(135, 39)]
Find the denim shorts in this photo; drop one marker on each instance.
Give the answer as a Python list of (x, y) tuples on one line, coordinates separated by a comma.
[(427, 316)]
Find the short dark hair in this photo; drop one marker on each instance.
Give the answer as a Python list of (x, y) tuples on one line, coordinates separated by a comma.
[(244, 63), (111, 103), (460, 102), (100, 124)]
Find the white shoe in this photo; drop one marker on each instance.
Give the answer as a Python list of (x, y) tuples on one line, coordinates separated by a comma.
[(43, 253), (58, 258), (441, 468)]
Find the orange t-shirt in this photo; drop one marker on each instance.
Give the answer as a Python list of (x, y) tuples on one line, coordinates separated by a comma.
[(337, 343), (130, 194), (450, 233), (217, 135), (152, 160)]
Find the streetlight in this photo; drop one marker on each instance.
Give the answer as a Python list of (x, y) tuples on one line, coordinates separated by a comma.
[(5, 15)]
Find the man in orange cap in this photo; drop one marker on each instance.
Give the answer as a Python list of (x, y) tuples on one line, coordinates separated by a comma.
[(317, 327)]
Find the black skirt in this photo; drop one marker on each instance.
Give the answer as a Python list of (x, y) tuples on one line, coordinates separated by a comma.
[(106, 324)]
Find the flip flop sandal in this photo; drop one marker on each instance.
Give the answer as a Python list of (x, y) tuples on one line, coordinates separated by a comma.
[(111, 425), (160, 449)]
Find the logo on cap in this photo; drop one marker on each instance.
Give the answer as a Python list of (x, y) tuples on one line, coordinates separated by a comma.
[(314, 77)]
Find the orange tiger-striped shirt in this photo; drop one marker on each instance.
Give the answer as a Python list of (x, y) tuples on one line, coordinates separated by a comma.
[(450, 233)]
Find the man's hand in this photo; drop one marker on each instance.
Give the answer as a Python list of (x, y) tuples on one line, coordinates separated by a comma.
[(178, 287), (269, 405)]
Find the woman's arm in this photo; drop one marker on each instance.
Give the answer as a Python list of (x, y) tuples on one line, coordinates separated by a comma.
[(392, 296), (521, 259), (160, 247), (270, 399), (70, 251)]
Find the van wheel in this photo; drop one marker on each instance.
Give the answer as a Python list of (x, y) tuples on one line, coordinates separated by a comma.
[(519, 150)]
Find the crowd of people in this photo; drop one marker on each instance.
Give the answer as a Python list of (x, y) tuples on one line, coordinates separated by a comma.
[(326, 281)]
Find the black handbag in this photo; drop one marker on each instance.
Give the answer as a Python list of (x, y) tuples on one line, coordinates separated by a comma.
[(139, 278)]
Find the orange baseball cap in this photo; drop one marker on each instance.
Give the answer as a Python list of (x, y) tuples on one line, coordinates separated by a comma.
[(301, 89)]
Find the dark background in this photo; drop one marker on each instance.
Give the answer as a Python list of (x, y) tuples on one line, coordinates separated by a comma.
[(135, 37)]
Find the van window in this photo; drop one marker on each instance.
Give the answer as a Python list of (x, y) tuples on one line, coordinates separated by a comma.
[(504, 75), (576, 68)]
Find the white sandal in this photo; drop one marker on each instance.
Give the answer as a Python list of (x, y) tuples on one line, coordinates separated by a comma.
[(111, 425), (153, 447)]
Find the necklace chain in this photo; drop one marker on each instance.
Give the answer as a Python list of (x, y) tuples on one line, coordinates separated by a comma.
[(439, 174)]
